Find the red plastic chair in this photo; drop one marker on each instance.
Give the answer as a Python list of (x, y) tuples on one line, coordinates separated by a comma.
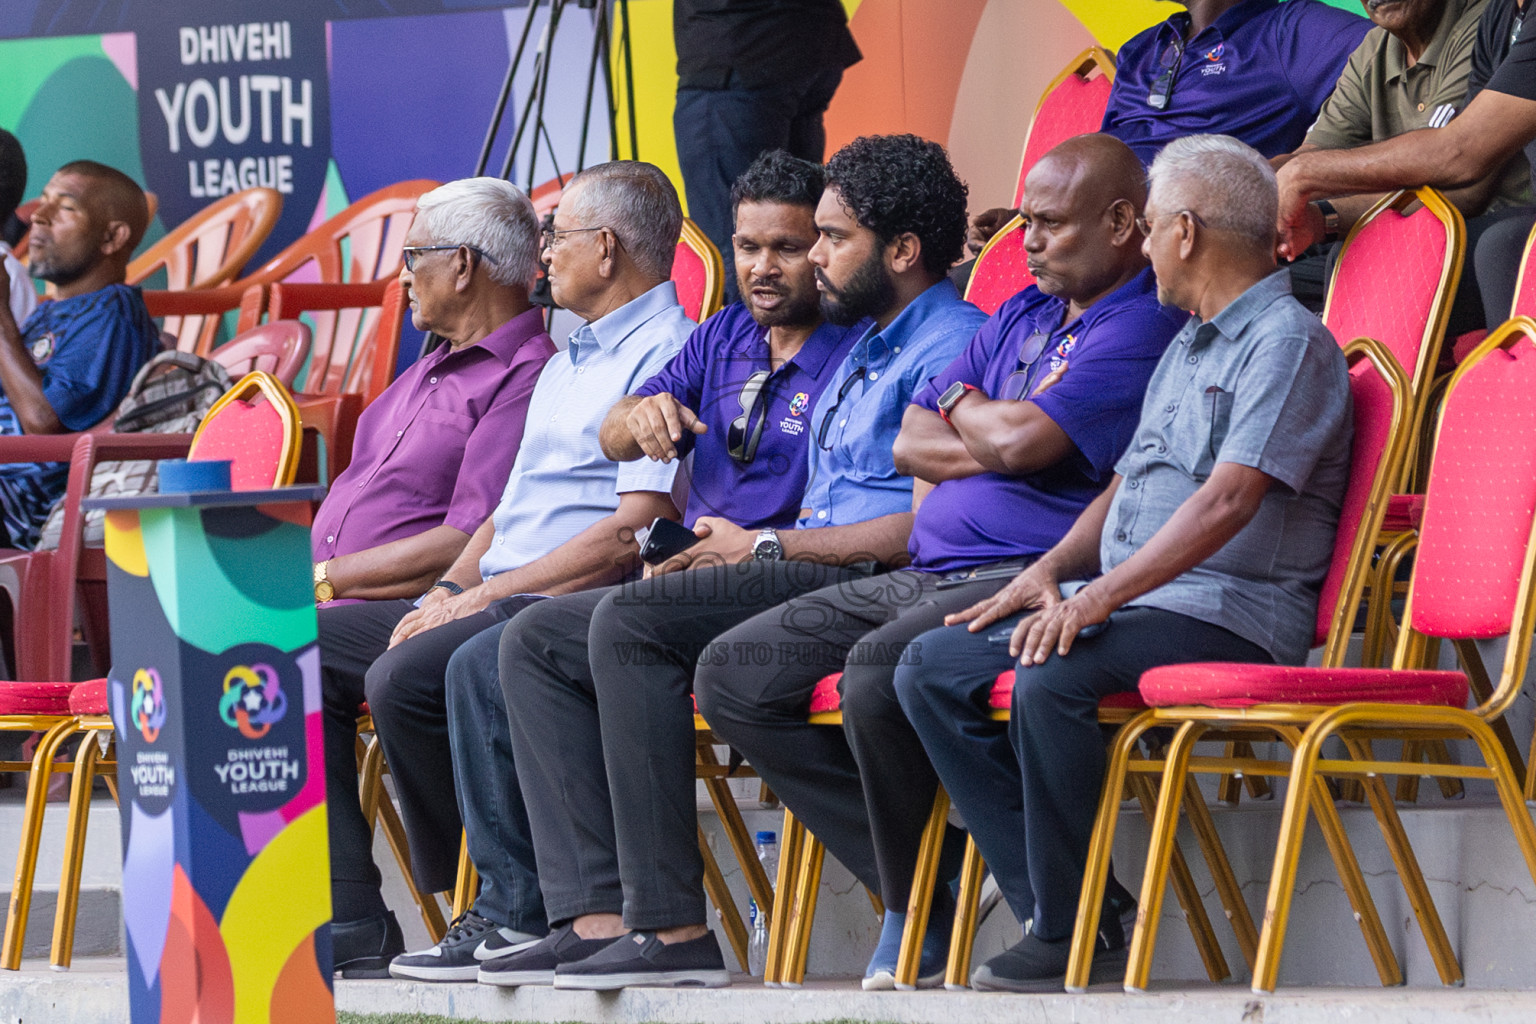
[(361, 243), (212, 246), (1264, 703), (278, 348), (193, 318), (699, 273), (1073, 104)]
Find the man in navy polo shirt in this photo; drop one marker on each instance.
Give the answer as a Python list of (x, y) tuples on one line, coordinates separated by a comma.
[(1015, 438), (1258, 70), (760, 364), (602, 729)]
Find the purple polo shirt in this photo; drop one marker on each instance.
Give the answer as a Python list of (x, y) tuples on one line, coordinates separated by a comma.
[(707, 376), (1259, 73), (436, 448), (1110, 351)]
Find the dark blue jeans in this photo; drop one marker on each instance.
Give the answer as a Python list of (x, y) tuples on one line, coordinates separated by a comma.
[(721, 131), (485, 784), (1029, 790)]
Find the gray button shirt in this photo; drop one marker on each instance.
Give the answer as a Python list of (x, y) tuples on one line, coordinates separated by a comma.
[(1262, 384)]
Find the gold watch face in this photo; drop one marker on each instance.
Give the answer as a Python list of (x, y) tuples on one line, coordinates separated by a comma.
[(324, 591)]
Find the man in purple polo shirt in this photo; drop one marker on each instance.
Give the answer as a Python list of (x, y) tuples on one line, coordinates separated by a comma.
[(1009, 444), (434, 450), (1258, 70)]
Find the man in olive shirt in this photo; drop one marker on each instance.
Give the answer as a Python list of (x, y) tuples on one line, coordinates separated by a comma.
[(1411, 72)]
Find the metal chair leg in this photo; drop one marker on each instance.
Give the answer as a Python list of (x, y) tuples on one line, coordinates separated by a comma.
[(87, 766), (920, 902), (725, 906), (962, 938), (466, 885), (31, 835)]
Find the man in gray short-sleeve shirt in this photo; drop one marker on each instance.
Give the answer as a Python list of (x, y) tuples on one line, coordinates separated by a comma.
[(1210, 544)]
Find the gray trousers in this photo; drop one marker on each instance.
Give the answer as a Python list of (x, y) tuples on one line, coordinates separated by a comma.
[(597, 687)]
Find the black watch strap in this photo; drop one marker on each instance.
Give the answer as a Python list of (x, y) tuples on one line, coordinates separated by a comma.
[(1330, 221), (448, 585)]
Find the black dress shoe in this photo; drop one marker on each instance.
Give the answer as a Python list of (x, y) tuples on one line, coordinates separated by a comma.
[(364, 948)]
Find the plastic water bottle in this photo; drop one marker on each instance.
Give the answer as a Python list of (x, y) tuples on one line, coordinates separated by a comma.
[(757, 949)]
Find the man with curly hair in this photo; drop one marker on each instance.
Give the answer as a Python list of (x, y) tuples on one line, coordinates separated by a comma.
[(599, 690)]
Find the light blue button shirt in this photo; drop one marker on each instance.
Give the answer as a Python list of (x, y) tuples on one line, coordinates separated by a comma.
[(561, 483), (853, 475)]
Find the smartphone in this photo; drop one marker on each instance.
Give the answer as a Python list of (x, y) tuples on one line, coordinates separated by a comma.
[(1069, 588), (666, 539)]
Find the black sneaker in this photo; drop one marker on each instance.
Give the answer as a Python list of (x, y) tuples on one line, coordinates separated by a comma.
[(640, 958), (364, 948), (470, 940), (535, 964), (1034, 965)]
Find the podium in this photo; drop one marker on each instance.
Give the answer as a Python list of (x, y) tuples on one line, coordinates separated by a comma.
[(215, 700)]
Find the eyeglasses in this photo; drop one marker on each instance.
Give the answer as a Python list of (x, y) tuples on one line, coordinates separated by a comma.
[(842, 393), (1162, 88), (1144, 223), (741, 445), (412, 252), (1017, 382), (550, 237)]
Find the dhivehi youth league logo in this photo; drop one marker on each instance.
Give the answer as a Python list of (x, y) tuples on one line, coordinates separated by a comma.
[(253, 700), (147, 711)]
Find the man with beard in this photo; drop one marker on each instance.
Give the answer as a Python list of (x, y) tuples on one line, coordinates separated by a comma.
[(734, 397), (72, 362), (1015, 438), (598, 686)]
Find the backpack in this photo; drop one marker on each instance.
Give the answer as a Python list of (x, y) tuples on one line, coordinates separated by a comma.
[(169, 395)]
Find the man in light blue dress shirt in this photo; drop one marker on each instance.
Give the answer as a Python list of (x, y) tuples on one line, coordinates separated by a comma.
[(565, 522), (610, 792)]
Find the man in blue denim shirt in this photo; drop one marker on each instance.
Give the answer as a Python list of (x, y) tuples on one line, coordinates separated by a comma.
[(611, 790)]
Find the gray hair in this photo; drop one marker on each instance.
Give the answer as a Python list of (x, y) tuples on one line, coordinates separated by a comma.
[(1227, 183), (638, 203), (491, 215)]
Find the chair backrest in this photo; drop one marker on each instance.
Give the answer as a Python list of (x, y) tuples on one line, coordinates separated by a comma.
[(699, 273), (1473, 570), (1395, 279), (1001, 270), (361, 243), (1525, 284), (1383, 410), (256, 426), (1073, 104), (212, 246), (356, 334), (193, 317), (278, 347)]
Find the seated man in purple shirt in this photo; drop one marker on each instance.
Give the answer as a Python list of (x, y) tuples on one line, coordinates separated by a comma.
[(736, 397), (1008, 444), (434, 450), (1258, 70)]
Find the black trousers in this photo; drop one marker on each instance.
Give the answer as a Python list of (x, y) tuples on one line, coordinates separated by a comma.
[(865, 790), (721, 131), (597, 687), (404, 689), (1029, 790)]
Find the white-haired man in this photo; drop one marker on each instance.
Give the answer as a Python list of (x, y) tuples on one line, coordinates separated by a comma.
[(565, 521), (1210, 544)]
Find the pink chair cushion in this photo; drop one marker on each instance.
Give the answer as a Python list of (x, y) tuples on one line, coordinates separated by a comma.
[(251, 436), (1000, 274), (825, 697), (35, 698), (1241, 685), (690, 276), (1465, 343), (1075, 107), (89, 698), (1404, 512)]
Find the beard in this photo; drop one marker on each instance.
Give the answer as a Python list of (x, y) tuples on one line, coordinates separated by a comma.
[(795, 309), (868, 292), (54, 267)]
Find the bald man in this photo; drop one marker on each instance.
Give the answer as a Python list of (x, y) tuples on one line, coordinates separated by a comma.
[(1008, 445), (70, 364)]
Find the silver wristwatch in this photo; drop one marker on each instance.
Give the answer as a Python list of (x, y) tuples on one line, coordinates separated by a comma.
[(767, 548)]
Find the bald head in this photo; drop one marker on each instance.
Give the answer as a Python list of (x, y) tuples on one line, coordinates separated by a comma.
[(114, 196), (1081, 201)]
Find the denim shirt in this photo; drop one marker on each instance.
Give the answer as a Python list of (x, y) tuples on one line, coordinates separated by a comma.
[(853, 475)]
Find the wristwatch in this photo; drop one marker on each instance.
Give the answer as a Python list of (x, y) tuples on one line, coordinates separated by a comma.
[(767, 548), (1330, 220), (448, 585), (951, 398), (325, 590)]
